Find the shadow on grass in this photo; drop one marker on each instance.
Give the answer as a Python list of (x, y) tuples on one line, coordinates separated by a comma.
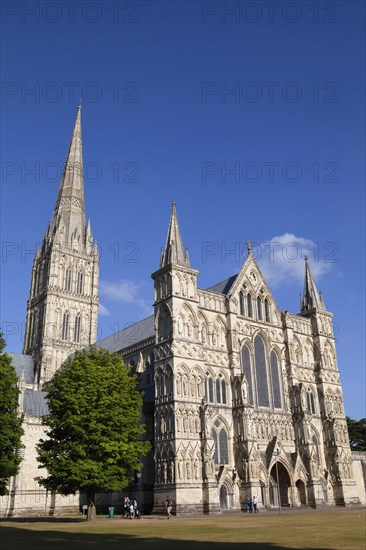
[(43, 519), (13, 538)]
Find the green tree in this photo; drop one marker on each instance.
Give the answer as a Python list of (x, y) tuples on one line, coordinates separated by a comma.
[(94, 437), (357, 433), (11, 430)]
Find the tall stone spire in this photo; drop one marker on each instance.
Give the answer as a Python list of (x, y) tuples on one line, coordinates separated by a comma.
[(174, 252), (311, 297), (63, 301), (69, 214)]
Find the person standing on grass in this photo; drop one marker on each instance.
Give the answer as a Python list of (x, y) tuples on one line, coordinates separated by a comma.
[(126, 507), (255, 505), (135, 508), (249, 505), (168, 507)]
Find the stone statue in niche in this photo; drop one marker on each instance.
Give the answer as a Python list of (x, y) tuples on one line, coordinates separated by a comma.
[(245, 468)]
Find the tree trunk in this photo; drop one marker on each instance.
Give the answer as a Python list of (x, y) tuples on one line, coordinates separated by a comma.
[(92, 515)]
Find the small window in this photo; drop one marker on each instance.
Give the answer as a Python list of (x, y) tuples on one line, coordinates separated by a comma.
[(249, 305), (209, 390), (266, 310), (77, 329), (241, 303), (218, 392), (259, 309), (223, 391), (67, 282), (80, 283), (310, 401), (65, 327)]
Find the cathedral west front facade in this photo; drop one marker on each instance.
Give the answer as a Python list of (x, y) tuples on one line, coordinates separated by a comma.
[(240, 399)]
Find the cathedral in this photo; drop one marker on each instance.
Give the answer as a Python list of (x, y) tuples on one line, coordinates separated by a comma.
[(241, 399)]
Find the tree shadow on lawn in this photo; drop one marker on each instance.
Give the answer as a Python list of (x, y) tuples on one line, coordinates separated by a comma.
[(12, 538), (43, 519)]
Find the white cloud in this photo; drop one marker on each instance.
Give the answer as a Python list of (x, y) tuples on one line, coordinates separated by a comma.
[(125, 291), (281, 259), (103, 311)]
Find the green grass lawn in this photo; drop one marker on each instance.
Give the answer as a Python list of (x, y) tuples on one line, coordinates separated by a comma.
[(332, 530)]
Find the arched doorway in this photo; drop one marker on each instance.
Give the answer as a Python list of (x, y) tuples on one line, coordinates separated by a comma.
[(301, 492), (224, 504), (279, 488)]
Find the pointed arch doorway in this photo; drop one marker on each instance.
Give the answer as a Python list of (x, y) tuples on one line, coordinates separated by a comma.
[(279, 489), (224, 498)]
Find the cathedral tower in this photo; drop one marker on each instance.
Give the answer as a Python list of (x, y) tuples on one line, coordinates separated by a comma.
[(337, 454), (178, 453), (62, 308)]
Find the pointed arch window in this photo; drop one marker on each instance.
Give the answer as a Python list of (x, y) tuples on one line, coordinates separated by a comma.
[(246, 367), (31, 330), (219, 435), (241, 303), (80, 283), (218, 391), (67, 281), (261, 372), (275, 379), (65, 327), (266, 311), (310, 401), (249, 305), (209, 390), (216, 447), (259, 309), (223, 391), (77, 328)]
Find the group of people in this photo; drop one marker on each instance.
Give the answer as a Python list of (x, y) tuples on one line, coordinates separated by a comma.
[(252, 505), (131, 508)]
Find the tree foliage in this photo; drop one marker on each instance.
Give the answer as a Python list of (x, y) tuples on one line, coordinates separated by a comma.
[(94, 425), (10, 421), (357, 433)]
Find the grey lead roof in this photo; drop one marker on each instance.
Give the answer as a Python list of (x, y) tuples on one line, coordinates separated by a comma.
[(145, 329), (129, 336), (224, 286), (34, 400), (24, 366), (34, 403)]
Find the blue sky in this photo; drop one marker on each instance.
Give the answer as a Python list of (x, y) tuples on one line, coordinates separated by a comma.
[(250, 116)]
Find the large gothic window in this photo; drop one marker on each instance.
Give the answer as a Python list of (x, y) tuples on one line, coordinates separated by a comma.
[(245, 363), (261, 372), (80, 283), (275, 378), (241, 303), (249, 305), (65, 327), (67, 281), (77, 328)]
